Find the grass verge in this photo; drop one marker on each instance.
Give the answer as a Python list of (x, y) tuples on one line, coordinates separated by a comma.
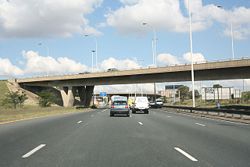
[(29, 112)]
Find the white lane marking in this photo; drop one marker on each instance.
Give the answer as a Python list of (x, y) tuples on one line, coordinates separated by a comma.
[(79, 122), (92, 115), (33, 151), (169, 116), (200, 124), (140, 123), (185, 154)]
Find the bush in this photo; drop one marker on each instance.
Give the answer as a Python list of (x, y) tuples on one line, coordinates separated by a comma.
[(246, 96), (46, 99), (14, 99)]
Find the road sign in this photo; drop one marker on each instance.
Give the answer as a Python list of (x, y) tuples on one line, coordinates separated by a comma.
[(103, 94)]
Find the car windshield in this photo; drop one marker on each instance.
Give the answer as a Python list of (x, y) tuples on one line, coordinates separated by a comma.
[(141, 100)]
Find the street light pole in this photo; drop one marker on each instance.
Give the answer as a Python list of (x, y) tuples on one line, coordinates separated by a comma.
[(154, 52), (232, 38), (154, 43), (96, 50), (92, 55), (191, 51), (96, 47)]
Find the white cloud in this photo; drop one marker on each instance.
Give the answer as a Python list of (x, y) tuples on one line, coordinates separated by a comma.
[(169, 16), (197, 58), (119, 64), (46, 18), (160, 14), (167, 59), (8, 69), (39, 64)]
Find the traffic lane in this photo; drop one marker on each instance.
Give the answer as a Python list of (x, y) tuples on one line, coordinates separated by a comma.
[(19, 137), (111, 141), (237, 129), (217, 145)]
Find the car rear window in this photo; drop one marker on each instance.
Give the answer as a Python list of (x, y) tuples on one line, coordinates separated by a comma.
[(143, 100), (119, 103)]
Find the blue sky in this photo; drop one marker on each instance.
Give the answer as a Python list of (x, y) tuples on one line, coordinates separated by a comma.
[(116, 24)]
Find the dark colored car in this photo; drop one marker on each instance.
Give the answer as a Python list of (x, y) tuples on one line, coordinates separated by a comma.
[(112, 69)]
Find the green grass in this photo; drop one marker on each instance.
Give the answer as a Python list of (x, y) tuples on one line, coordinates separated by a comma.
[(28, 112), (3, 89), (210, 104)]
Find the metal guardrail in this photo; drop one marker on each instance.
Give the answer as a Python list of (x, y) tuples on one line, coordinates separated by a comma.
[(245, 111)]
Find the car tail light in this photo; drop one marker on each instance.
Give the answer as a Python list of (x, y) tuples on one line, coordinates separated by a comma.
[(126, 106), (112, 106)]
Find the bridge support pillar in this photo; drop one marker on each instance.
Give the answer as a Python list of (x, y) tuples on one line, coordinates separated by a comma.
[(67, 96), (89, 95)]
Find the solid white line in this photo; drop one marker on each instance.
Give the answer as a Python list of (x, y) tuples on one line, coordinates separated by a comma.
[(140, 123), (33, 151), (169, 116), (79, 122), (185, 154), (200, 124)]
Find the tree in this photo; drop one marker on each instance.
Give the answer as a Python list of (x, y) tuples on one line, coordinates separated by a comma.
[(217, 86), (184, 92), (196, 94), (13, 99), (246, 96), (46, 99)]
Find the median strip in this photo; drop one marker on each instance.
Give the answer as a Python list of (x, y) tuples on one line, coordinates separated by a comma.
[(33, 151), (185, 154)]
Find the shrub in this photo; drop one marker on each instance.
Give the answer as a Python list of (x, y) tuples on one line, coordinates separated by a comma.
[(14, 99), (46, 99)]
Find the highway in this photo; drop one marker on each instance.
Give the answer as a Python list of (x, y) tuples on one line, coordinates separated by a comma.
[(93, 139)]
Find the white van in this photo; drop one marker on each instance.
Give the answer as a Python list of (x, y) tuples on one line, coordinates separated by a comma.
[(140, 104)]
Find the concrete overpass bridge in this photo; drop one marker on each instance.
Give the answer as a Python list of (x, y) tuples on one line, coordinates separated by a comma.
[(68, 86)]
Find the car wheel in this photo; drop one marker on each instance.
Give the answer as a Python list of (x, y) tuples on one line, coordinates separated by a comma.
[(146, 112)]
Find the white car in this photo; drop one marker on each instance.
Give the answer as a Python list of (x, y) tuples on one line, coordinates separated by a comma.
[(141, 104)]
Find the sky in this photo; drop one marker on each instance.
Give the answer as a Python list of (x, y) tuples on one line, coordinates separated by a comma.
[(44, 37)]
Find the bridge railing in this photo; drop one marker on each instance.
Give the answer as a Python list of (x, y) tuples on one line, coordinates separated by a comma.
[(244, 111)]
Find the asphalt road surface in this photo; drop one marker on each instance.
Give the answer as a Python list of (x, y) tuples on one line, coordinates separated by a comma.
[(94, 139)]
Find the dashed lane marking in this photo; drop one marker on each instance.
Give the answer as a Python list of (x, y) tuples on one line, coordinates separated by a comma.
[(200, 124), (33, 151), (185, 154), (140, 123)]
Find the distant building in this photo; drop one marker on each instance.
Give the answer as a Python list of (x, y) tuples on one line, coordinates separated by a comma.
[(170, 91), (224, 93)]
